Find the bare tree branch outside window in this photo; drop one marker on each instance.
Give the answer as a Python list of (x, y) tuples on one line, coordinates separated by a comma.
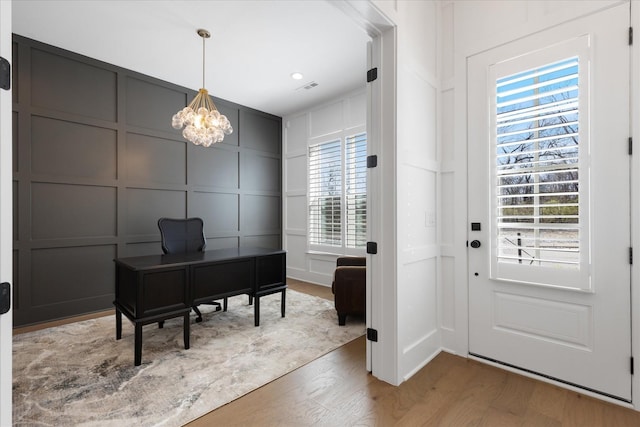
[(537, 166)]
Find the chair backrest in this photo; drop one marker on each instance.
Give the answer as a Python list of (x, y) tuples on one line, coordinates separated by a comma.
[(354, 261), (182, 235)]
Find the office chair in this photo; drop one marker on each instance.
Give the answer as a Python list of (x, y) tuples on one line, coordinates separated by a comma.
[(185, 236)]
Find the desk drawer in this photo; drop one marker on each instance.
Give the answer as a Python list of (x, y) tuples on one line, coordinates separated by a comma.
[(222, 279), (164, 291)]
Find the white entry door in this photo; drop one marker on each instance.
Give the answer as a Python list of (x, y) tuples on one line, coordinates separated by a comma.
[(549, 203)]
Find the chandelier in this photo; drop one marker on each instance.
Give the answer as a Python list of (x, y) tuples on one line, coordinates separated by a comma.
[(203, 124)]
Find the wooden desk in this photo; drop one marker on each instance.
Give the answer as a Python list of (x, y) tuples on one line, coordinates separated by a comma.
[(154, 288)]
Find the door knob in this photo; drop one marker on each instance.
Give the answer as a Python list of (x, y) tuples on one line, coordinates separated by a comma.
[(475, 244)]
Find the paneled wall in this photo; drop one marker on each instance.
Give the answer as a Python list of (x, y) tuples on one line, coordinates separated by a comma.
[(336, 119), (96, 163)]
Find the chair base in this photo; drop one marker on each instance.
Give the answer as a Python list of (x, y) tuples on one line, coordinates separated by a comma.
[(196, 310), (214, 303)]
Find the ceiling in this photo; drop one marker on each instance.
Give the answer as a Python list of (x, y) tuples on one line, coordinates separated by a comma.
[(254, 47)]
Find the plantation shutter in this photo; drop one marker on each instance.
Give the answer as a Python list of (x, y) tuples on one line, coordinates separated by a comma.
[(356, 191), (325, 194), (537, 167)]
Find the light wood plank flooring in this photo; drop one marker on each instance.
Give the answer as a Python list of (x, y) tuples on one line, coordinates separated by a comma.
[(336, 390)]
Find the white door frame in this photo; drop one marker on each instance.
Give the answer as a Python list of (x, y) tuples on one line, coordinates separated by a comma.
[(6, 218), (382, 314), (635, 199), (382, 309), (459, 342), (503, 308)]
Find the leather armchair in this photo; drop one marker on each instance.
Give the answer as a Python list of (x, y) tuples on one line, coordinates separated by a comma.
[(349, 287)]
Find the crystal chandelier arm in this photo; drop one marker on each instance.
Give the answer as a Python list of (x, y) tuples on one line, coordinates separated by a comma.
[(210, 105), (202, 99)]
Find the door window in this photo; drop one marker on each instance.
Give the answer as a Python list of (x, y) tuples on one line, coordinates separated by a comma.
[(540, 197)]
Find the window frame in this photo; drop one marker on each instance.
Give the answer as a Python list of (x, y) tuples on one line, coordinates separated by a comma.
[(342, 137)]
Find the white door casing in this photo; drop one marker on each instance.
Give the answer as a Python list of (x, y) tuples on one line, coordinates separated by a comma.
[(381, 227), (6, 215), (568, 319), (372, 60)]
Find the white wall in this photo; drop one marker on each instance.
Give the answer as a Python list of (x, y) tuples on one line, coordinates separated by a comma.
[(336, 119)]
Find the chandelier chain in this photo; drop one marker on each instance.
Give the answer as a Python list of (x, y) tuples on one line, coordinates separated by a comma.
[(203, 60)]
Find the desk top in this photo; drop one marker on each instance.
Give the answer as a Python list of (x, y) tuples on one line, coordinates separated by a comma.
[(149, 262)]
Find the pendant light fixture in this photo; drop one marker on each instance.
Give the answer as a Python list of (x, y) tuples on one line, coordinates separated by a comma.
[(203, 124)]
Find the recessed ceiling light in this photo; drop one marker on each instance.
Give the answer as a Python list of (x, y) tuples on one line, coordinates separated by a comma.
[(296, 76)]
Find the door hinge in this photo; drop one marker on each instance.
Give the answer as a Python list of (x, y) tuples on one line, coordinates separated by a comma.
[(5, 297), (372, 248), (5, 74), (630, 36), (631, 365), (372, 74), (372, 334), (631, 256), (372, 161), (630, 146)]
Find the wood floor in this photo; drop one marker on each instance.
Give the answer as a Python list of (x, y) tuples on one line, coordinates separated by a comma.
[(335, 390)]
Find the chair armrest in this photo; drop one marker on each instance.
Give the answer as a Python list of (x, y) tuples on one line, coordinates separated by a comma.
[(349, 279), (350, 289)]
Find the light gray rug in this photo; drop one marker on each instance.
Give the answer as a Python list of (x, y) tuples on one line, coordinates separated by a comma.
[(78, 374)]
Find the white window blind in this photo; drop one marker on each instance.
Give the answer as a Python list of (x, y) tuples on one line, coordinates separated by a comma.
[(356, 191), (325, 194), (338, 193), (537, 166)]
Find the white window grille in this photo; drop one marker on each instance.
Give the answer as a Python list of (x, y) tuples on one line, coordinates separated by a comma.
[(356, 191), (337, 193)]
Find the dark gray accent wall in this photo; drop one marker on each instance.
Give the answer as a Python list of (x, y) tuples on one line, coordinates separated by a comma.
[(96, 163)]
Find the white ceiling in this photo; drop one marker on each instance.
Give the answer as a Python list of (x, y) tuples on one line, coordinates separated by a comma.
[(254, 47)]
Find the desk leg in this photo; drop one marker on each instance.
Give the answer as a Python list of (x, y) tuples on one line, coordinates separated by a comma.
[(185, 327), (256, 311), (283, 301), (118, 324), (138, 345)]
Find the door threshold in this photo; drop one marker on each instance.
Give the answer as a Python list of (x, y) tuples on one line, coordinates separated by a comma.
[(553, 380)]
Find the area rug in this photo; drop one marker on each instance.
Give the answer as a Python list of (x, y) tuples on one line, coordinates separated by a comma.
[(79, 374)]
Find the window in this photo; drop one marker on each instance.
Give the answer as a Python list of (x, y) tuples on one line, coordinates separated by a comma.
[(338, 193), (539, 175)]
